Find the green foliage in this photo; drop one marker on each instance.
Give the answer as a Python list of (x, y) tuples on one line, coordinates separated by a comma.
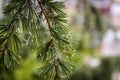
[(47, 72), (26, 69), (103, 72), (24, 28)]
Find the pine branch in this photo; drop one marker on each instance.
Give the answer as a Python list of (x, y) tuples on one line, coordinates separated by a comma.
[(43, 10), (56, 32), (52, 43), (10, 59)]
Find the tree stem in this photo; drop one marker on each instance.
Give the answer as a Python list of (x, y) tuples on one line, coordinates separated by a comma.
[(44, 13), (9, 35), (57, 77)]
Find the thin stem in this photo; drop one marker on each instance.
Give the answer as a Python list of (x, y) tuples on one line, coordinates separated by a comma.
[(8, 38), (57, 77), (9, 35), (44, 13), (52, 43)]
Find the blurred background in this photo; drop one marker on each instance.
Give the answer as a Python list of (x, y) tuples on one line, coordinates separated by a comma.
[(95, 25)]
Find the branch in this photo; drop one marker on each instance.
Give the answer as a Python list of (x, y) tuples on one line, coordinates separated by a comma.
[(8, 38), (44, 13), (9, 25), (9, 35)]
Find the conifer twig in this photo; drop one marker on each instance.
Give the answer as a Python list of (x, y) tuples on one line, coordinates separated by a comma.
[(9, 36), (57, 77), (44, 13)]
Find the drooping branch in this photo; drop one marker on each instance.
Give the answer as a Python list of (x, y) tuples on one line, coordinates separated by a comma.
[(49, 52)]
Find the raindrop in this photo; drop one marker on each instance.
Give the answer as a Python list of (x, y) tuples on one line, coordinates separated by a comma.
[(7, 66), (67, 57), (26, 43), (74, 50), (64, 51), (72, 55), (71, 67), (29, 33)]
